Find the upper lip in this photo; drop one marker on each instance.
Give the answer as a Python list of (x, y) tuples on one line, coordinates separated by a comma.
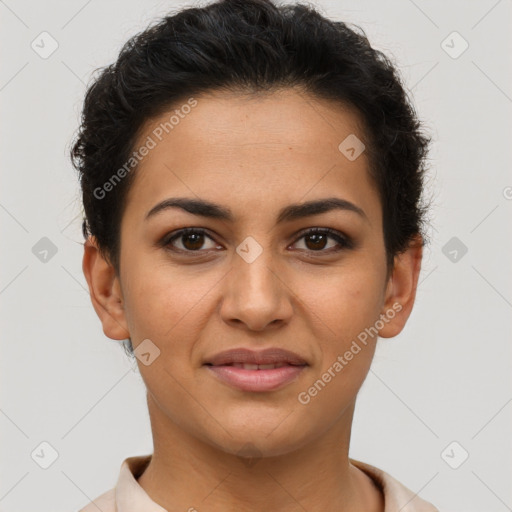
[(267, 356)]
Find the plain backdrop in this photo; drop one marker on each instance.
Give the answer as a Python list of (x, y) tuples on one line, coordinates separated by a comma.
[(438, 393)]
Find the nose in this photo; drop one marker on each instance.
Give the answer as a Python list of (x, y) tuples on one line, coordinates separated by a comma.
[(255, 295)]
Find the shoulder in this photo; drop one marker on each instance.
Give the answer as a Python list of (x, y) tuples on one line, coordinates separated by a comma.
[(126, 492), (106, 503), (396, 495)]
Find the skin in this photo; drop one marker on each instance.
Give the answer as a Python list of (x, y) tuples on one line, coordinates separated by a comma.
[(253, 155)]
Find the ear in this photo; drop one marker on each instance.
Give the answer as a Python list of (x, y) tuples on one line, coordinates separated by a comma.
[(401, 289), (105, 291)]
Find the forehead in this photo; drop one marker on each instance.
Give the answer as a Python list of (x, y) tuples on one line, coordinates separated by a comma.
[(267, 148), (224, 122)]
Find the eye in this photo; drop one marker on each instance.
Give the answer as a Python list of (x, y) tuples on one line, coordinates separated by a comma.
[(192, 240), (315, 240)]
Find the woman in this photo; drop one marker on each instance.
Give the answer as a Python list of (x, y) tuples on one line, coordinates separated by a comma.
[(252, 183)]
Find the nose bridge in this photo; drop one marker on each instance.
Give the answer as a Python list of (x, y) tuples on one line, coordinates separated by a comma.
[(254, 293), (252, 266)]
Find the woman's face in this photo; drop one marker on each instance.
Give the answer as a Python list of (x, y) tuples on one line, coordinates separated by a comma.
[(257, 279)]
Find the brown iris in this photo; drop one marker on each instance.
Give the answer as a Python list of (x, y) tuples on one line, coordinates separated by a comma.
[(197, 240), (319, 240)]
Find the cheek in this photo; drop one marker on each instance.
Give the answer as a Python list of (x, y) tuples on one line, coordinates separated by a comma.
[(155, 301), (172, 309), (348, 308), (348, 302)]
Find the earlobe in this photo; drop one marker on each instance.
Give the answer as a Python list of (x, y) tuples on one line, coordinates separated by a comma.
[(105, 291), (401, 289)]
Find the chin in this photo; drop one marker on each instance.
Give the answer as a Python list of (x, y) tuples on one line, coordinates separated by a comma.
[(258, 442)]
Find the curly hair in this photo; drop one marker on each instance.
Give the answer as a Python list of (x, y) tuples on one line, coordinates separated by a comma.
[(254, 46)]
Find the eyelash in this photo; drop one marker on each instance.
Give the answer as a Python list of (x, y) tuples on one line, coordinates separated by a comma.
[(343, 241)]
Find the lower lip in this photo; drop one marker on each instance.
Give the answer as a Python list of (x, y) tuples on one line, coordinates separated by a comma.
[(256, 380)]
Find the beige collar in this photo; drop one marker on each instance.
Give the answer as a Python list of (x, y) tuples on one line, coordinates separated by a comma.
[(129, 496)]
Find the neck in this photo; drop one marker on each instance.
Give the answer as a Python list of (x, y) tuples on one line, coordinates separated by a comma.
[(187, 473)]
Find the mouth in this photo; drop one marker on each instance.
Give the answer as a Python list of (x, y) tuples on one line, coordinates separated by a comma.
[(250, 366), (247, 370), (270, 356)]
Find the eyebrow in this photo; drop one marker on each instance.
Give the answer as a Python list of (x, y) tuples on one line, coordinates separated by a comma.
[(289, 213)]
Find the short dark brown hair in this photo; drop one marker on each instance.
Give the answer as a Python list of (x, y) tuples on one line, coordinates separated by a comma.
[(254, 46)]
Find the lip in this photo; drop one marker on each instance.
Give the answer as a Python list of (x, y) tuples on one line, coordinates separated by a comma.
[(268, 356), (221, 365), (257, 380)]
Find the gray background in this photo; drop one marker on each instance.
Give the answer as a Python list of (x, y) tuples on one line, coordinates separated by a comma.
[(445, 378)]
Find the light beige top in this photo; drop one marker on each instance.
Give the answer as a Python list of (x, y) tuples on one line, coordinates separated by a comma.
[(129, 496)]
